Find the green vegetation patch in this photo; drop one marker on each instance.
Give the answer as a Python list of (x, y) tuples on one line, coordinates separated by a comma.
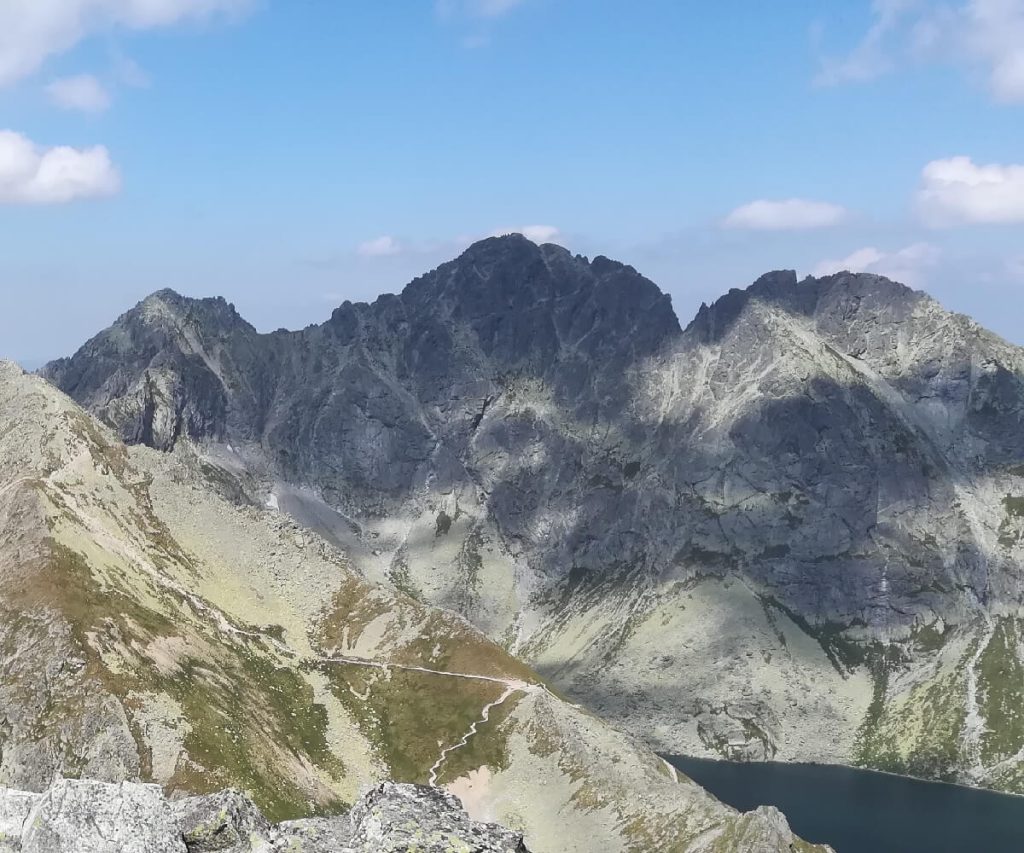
[(410, 717), (1001, 689), (919, 735), (1010, 531), (443, 641), (252, 724), (1014, 506), (248, 724)]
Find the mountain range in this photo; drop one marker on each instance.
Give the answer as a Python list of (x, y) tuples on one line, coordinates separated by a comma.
[(793, 529)]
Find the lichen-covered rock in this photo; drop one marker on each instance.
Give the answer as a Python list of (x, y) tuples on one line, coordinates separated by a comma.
[(15, 807), (97, 817), (396, 818), (227, 821)]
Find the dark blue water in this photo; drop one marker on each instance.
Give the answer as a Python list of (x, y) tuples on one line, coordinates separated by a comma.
[(857, 811)]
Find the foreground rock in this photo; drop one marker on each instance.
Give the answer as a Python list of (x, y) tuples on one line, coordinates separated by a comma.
[(98, 817)]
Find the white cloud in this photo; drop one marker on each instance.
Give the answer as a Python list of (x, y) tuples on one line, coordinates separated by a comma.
[(993, 32), (83, 93), (858, 261), (30, 174), (957, 191), (380, 247), (536, 233), (907, 265), (792, 214), (31, 31), (984, 33), (494, 8)]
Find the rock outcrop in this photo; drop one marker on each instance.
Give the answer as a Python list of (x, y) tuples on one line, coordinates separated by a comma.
[(794, 528), (96, 817)]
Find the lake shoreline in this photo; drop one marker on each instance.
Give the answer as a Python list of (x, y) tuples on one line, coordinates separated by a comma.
[(825, 764), (858, 810)]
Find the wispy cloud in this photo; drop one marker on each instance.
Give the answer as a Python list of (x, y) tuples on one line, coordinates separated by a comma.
[(988, 34), (30, 174), (958, 190), (478, 16), (83, 92), (536, 233), (32, 31), (872, 57), (794, 214), (128, 72), (380, 247), (908, 265)]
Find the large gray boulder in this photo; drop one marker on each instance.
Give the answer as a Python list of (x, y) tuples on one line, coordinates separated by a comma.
[(97, 817), (396, 818)]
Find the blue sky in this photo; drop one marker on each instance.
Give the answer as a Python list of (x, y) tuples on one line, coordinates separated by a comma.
[(290, 154)]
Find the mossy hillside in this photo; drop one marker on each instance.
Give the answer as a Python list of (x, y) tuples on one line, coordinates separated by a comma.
[(1001, 693), (919, 733), (410, 717), (251, 724), (417, 635)]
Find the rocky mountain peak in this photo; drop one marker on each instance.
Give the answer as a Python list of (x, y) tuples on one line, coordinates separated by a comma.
[(214, 313), (827, 300), (714, 320), (528, 303)]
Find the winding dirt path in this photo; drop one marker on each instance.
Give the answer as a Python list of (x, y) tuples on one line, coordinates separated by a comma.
[(511, 685), (484, 717)]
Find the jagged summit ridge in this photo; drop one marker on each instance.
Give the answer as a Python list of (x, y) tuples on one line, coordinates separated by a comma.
[(835, 297)]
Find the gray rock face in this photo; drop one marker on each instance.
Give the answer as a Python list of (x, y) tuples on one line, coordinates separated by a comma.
[(843, 448), (96, 817), (803, 434), (391, 392)]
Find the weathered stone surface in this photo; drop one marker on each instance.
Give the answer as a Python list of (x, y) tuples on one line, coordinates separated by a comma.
[(227, 821), (397, 818), (96, 817)]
